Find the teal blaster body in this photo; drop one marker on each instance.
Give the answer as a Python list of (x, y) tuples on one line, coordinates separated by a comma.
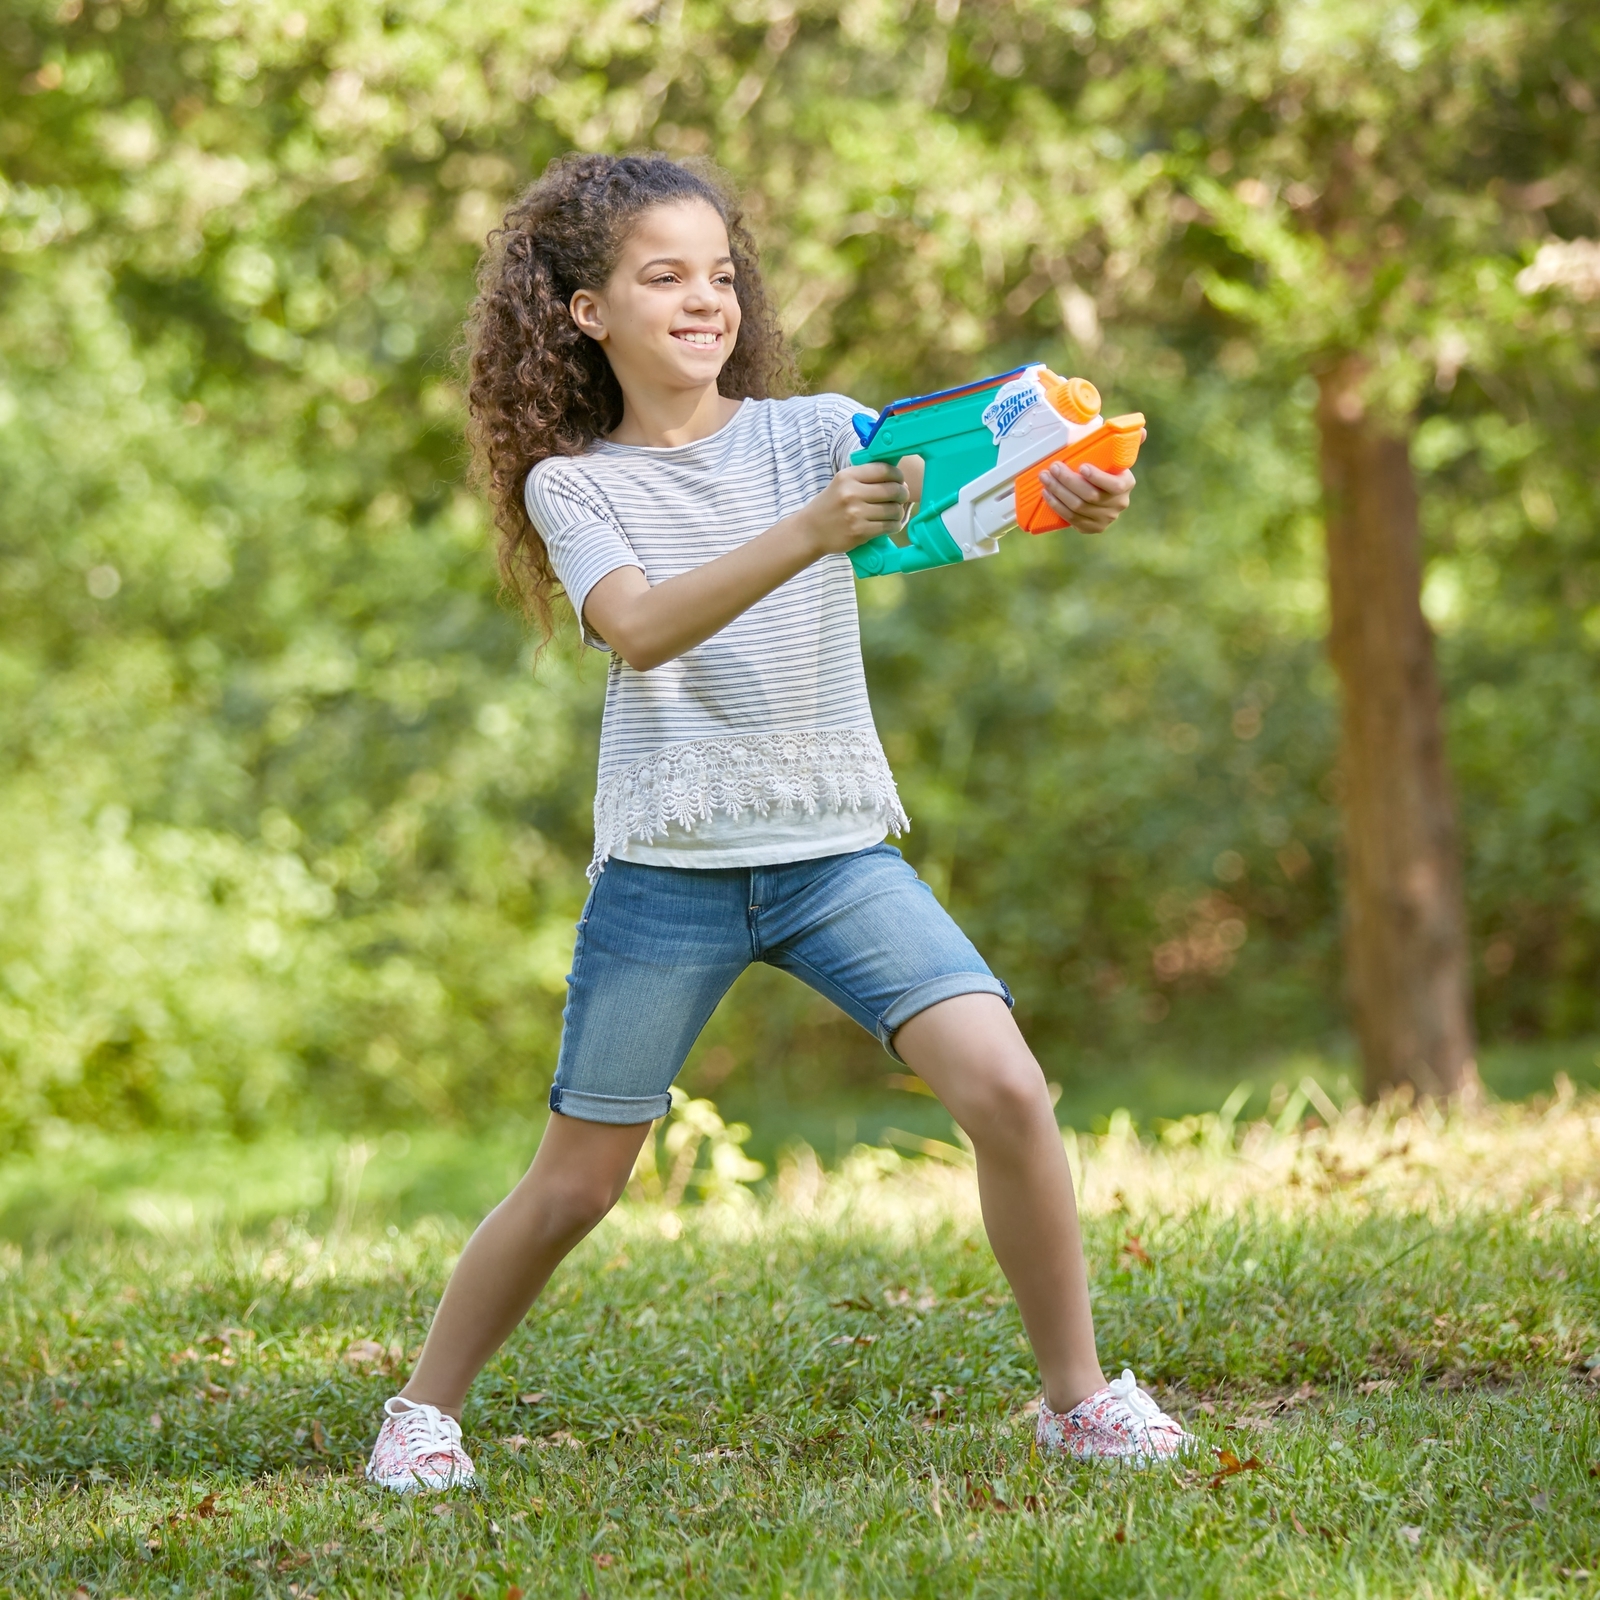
[(948, 431), (984, 449)]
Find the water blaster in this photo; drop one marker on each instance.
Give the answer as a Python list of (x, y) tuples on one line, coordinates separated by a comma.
[(984, 447)]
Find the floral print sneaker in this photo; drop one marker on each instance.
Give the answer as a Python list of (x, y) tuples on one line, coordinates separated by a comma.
[(419, 1447), (1117, 1423)]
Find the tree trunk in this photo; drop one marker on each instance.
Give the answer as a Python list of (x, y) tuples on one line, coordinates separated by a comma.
[(1406, 956)]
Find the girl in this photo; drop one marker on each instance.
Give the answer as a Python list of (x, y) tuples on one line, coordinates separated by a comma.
[(623, 361)]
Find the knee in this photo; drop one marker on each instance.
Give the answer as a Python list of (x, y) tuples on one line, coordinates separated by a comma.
[(574, 1206), (1005, 1099)]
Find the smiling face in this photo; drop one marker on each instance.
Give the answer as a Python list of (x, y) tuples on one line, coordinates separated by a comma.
[(668, 317)]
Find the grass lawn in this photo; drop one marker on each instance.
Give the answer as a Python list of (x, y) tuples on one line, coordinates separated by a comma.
[(1388, 1331)]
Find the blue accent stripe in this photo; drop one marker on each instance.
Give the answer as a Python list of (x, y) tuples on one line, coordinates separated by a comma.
[(913, 402)]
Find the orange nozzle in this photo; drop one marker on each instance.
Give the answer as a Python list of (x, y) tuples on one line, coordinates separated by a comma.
[(1123, 446), (1075, 398)]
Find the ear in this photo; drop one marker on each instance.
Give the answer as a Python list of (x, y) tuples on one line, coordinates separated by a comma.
[(589, 314)]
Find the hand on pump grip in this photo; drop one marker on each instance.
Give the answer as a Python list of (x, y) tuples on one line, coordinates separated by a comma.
[(859, 504)]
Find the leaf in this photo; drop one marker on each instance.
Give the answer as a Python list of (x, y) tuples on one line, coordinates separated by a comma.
[(319, 1439), (533, 1397), (602, 1558), (981, 1496), (1135, 1249), (1230, 1464)]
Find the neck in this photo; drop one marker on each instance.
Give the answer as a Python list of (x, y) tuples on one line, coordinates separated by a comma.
[(664, 419)]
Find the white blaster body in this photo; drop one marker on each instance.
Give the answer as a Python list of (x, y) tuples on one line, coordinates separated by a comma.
[(1034, 416)]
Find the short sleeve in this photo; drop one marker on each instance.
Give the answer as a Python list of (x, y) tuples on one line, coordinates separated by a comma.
[(838, 413), (580, 531)]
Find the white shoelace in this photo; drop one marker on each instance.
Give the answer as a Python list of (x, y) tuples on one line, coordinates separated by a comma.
[(1127, 1390), (426, 1429)]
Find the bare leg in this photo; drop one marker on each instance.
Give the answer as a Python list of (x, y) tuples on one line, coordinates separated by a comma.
[(578, 1174), (973, 1056)]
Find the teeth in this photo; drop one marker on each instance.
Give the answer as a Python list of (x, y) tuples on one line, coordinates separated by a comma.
[(700, 338)]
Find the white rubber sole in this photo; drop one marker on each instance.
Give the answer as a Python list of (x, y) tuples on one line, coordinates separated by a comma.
[(417, 1484)]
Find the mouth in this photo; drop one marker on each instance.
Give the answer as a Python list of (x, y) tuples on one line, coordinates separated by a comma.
[(698, 338)]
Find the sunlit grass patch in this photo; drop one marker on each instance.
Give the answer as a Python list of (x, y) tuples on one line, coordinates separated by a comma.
[(1391, 1326)]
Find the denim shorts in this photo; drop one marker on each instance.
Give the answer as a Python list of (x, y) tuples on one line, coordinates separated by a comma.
[(658, 947)]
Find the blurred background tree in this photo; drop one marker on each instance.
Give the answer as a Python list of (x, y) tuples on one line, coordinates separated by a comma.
[(293, 830)]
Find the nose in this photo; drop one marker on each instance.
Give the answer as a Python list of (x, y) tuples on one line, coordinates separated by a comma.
[(702, 296)]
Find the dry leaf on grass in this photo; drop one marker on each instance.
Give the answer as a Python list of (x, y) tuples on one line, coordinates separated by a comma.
[(981, 1497), (1229, 1464), (1137, 1251)]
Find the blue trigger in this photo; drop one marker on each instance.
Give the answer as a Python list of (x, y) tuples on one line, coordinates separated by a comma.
[(863, 425)]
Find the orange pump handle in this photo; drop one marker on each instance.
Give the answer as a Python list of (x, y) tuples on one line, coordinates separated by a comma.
[(1113, 448)]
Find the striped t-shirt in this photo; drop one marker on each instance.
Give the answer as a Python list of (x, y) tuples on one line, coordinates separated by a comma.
[(757, 746)]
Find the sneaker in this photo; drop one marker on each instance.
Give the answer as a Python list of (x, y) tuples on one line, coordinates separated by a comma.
[(1117, 1423), (419, 1447)]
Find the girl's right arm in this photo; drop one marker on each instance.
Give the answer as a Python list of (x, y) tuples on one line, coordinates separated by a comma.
[(648, 624)]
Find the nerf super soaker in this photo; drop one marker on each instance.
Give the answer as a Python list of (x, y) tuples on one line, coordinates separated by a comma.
[(984, 447)]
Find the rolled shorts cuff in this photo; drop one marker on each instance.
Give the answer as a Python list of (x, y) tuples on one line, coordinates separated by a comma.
[(946, 987), (608, 1107)]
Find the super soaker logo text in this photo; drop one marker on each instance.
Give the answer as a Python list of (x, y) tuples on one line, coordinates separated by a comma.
[(1007, 408)]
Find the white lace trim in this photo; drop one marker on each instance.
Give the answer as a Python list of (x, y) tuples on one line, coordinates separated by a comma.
[(838, 769)]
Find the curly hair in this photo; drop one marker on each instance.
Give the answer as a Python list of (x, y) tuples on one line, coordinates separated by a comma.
[(536, 385)]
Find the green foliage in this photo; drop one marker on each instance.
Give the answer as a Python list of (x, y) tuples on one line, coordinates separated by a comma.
[(293, 832)]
